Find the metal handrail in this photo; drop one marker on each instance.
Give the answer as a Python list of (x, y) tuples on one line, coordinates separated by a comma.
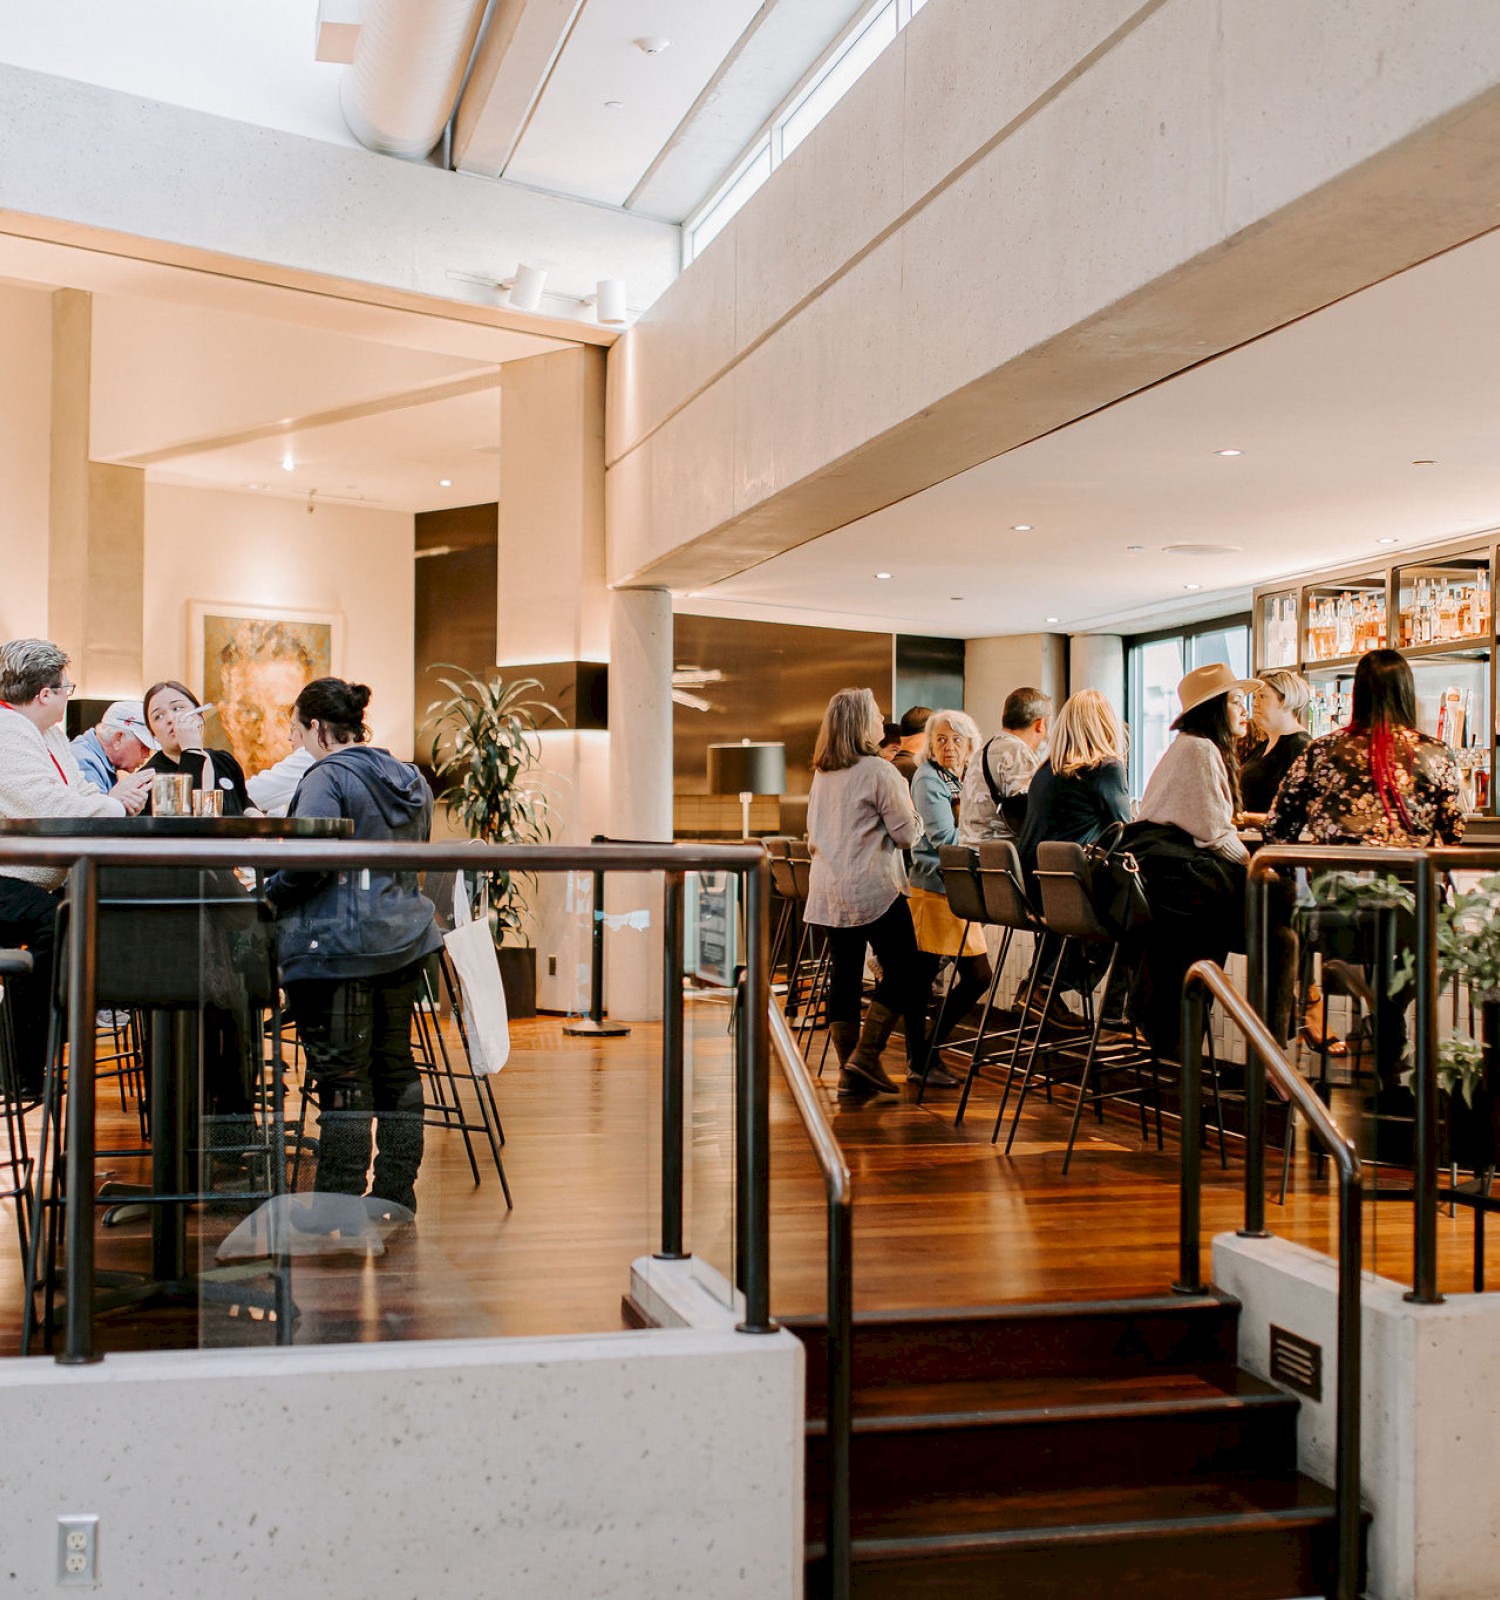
[(1207, 979), (83, 855), (1425, 868), (839, 1360)]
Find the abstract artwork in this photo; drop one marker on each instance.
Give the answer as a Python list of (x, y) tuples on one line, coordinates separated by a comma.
[(255, 660)]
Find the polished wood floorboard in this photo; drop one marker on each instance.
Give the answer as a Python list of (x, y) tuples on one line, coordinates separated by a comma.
[(942, 1217)]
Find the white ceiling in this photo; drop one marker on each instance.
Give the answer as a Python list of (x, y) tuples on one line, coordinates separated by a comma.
[(1330, 413)]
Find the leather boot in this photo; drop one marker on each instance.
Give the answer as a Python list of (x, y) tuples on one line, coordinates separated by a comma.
[(864, 1064), (845, 1036), (398, 1149)]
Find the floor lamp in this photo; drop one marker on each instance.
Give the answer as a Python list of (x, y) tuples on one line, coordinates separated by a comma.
[(747, 769)]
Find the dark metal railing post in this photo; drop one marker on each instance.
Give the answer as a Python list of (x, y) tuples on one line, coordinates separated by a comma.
[(1258, 941), (1424, 1290), (1350, 1383), (594, 1025), (83, 914), (753, 1104), (1189, 1265), (673, 1089)]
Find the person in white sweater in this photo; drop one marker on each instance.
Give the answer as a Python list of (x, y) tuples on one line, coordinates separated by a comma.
[(1196, 785), (40, 777)]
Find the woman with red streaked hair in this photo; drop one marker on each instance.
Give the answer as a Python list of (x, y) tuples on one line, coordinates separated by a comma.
[(1377, 782)]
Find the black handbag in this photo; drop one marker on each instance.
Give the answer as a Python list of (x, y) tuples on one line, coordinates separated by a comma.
[(1115, 887)]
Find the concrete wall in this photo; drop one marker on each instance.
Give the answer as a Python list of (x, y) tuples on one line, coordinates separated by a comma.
[(633, 1466), (25, 444), (1097, 661), (258, 549), (1430, 1448), (1022, 213)]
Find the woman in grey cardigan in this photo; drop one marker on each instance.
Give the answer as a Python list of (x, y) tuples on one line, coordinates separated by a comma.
[(860, 818)]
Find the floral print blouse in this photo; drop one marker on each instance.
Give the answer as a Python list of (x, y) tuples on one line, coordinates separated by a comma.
[(1330, 794)]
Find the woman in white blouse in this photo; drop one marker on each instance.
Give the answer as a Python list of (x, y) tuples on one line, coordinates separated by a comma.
[(860, 817)]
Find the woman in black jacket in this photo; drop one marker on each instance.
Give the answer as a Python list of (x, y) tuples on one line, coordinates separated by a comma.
[(173, 713), (352, 946)]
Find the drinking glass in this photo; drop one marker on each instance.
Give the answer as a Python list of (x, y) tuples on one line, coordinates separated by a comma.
[(169, 794), (208, 802)]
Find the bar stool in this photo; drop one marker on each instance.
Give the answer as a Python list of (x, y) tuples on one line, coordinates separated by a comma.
[(1068, 912), (784, 887), (813, 1015), (17, 1169), (959, 864)]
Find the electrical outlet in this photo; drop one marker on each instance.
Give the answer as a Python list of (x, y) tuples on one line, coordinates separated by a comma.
[(77, 1552), (551, 966)]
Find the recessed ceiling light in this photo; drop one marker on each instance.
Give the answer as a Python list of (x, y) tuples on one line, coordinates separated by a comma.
[(285, 421), (882, 574), (1424, 463), (445, 483), (1134, 549), (1020, 527), (1192, 586), (1051, 619), (287, 462), (1387, 541), (955, 597), (255, 486), (614, 105), (1229, 452), (652, 45)]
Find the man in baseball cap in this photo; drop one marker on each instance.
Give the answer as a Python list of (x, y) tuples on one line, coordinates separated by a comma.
[(120, 742)]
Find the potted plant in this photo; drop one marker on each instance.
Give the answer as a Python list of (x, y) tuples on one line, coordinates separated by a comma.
[(484, 751)]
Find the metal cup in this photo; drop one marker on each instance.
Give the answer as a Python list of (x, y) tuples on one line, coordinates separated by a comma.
[(208, 802), (169, 794)]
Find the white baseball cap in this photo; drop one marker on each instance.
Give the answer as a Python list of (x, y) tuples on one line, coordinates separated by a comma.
[(129, 716)]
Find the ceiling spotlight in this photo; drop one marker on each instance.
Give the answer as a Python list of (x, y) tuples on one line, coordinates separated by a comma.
[(1050, 619), (445, 483), (609, 298), (955, 597), (1192, 586), (652, 45), (1389, 541), (1020, 527), (526, 287), (883, 574), (614, 105), (1424, 463), (1229, 452), (1134, 549), (287, 463)]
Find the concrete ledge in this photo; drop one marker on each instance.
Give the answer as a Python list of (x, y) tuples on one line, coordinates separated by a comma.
[(1430, 1447)]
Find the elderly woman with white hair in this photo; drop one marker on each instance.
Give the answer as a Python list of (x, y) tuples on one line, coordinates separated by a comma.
[(936, 789)]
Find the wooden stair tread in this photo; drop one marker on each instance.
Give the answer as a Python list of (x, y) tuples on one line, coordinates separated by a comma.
[(996, 1401), (1078, 1516), (1210, 1303)]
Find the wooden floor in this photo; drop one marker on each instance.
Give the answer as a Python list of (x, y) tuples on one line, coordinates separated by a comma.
[(942, 1217)]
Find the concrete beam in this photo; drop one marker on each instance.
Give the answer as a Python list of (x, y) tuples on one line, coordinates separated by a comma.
[(1022, 214)]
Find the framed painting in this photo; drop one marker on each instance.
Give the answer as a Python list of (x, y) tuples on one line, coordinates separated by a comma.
[(253, 661)]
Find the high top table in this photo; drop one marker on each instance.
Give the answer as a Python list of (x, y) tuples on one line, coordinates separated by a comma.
[(135, 968)]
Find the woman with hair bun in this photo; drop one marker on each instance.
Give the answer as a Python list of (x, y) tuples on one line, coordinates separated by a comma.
[(352, 946)]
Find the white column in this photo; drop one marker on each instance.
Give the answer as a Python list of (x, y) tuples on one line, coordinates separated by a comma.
[(640, 792)]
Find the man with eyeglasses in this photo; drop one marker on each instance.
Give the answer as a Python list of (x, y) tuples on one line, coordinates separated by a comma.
[(40, 777)]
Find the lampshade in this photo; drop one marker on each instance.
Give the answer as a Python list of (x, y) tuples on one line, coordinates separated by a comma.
[(746, 768)]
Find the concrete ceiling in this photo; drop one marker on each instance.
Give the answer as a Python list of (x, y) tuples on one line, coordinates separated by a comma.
[(1331, 414)]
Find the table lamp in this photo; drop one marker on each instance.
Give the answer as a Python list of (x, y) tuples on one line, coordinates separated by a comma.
[(747, 769)]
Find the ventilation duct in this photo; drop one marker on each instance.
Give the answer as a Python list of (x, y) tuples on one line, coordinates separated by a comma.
[(408, 68)]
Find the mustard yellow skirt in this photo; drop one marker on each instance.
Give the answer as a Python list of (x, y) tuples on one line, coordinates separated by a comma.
[(938, 930)]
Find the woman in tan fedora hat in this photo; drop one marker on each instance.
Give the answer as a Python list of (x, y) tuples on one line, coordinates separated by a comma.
[(1191, 859)]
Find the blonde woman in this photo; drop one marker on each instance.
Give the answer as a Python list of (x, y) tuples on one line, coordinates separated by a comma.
[(1277, 725), (1080, 789), (936, 789), (860, 818)]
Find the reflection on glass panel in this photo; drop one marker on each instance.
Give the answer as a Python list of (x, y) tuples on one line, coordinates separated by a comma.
[(1155, 670), (755, 173), (1228, 645), (839, 78)]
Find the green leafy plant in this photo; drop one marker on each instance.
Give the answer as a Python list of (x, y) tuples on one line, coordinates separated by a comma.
[(485, 751), (1468, 939)]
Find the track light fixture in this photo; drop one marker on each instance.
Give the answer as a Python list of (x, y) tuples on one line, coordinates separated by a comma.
[(609, 300), (526, 288)]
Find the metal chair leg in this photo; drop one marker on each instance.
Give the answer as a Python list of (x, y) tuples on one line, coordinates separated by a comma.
[(984, 1019)]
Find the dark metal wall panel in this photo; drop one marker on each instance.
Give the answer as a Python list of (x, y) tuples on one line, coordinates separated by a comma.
[(929, 672), (455, 598)]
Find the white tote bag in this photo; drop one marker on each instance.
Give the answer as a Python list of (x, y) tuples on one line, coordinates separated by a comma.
[(471, 949)]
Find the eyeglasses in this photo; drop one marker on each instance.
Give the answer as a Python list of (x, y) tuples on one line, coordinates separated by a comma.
[(63, 688)]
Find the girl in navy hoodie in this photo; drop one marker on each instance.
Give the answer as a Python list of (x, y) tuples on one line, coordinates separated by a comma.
[(352, 946)]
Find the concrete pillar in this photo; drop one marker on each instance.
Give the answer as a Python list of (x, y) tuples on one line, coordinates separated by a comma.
[(993, 667), (97, 526), (551, 605), (1097, 661), (640, 790)]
